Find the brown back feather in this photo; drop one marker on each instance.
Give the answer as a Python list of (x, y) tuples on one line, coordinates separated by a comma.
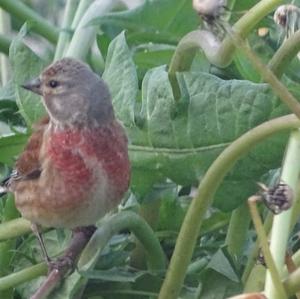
[(28, 164)]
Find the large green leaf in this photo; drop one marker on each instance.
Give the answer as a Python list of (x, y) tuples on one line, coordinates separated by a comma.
[(180, 140), (27, 65), (156, 21)]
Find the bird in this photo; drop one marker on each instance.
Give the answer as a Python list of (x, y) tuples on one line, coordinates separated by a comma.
[(75, 167)]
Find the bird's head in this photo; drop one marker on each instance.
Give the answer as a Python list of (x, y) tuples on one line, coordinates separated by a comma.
[(73, 94)]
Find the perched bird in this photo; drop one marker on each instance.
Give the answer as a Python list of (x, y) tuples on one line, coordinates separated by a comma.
[(75, 167)]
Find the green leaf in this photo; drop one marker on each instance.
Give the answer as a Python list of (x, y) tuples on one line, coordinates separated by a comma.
[(162, 21), (10, 147), (125, 85), (222, 265), (217, 286), (27, 65)]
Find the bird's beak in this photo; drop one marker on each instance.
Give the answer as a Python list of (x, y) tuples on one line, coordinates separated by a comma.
[(33, 85)]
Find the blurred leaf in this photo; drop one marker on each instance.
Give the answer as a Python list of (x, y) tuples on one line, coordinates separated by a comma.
[(27, 65), (10, 147), (156, 21)]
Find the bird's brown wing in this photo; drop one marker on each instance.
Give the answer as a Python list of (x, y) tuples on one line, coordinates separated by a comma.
[(28, 164)]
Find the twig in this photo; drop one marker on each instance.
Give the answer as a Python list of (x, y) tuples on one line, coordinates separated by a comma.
[(79, 241)]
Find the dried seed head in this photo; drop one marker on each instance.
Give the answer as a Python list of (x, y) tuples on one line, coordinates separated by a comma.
[(284, 15), (209, 10), (278, 198)]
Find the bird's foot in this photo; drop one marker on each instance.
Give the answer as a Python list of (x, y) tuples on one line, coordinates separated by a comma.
[(64, 265)]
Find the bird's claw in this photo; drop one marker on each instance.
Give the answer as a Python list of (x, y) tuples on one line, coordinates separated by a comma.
[(64, 264)]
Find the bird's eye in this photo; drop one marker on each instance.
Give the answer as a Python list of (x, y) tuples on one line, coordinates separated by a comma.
[(53, 83)]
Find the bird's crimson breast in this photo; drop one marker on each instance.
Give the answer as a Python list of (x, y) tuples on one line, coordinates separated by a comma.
[(76, 154)]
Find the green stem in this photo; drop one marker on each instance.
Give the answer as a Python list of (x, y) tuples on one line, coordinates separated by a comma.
[(285, 54), (82, 7), (149, 211), (237, 231), (124, 220), (22, 12), (263, 240), (267, 75), (252, 258), (65, 33), (5, 29), (186, 51), (220, 55), (85, 33), (14, 228), (210, 182), (282, 223), (22, 276)]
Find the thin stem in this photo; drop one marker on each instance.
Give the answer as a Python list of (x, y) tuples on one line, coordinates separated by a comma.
[(82, 7), (149, 211), (284, 55), (267, 75), (116, 223), (23, 13), (65, 33), (263, 240), (252, 258), (210, 182), (14, 279), (237, 231), (5, 29), (185, 52), (85, 33), (14, 228), (282, 223)]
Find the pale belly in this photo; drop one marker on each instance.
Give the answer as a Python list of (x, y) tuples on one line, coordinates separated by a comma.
[(50, 208)]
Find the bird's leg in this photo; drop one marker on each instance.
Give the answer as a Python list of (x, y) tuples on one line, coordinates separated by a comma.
[(36, 230)]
